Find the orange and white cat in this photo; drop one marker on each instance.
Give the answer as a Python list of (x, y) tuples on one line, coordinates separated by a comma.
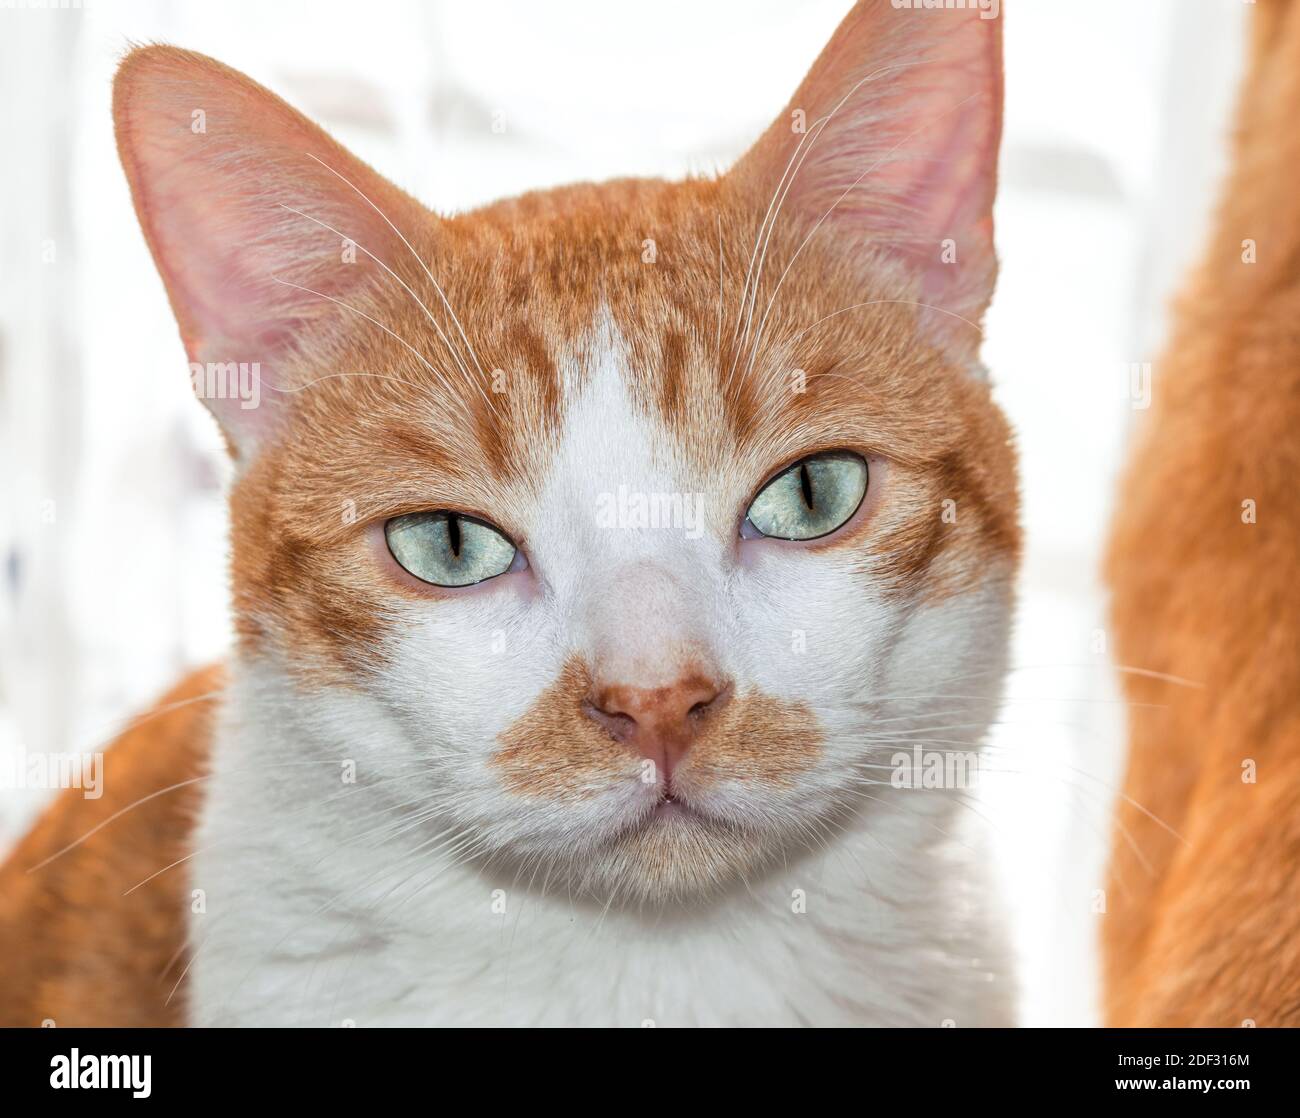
[(595, 556)]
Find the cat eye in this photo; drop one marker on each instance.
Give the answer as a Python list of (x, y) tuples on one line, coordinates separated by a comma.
[(809, 499), (448, 549)]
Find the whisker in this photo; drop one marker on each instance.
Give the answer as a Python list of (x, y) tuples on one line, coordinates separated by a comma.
[(143, 800), (427, 313), (292, 814), (720, 275), (116, 815), (877, 302), (114, 730), (331, 376), (852, 186), (436, 286), (769, 218), (392, 334)]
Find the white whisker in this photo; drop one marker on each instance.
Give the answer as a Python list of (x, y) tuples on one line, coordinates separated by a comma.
[(436, 286), (391, 333)]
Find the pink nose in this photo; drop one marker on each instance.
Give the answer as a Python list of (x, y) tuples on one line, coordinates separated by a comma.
[(660, 723)]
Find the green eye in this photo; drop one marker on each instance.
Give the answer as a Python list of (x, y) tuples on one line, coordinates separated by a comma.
[(812, 498), (448, 549)]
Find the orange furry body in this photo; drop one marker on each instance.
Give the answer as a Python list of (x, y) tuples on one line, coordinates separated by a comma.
[(89, 936), (1204, 927)]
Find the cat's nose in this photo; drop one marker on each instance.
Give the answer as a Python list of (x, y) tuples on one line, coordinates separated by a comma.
[(660, 723)]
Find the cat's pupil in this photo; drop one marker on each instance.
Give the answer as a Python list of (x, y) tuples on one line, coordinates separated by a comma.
[(453, 534), (805, 486)]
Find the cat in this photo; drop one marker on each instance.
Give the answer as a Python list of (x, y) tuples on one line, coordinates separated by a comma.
[(1203, 902), (603, 562)]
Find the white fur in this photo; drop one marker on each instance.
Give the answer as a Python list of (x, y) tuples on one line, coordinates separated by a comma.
[(380, 902)]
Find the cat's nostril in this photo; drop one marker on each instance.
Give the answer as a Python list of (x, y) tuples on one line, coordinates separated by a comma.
[(660, 723), (617, 724)]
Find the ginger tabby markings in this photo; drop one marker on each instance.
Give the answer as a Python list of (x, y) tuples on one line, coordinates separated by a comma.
[(1204, 929), (458, 679)]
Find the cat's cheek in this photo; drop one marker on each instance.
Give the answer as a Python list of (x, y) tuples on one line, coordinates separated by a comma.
[(518, 581), (849, 534)]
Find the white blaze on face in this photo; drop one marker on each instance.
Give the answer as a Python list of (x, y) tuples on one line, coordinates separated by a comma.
[(620, 536), (622, 584)]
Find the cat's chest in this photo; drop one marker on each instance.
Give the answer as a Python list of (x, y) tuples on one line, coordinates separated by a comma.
[(466, 957), (357, 946)]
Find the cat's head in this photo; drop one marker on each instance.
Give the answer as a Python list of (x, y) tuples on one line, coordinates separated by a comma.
[(627, 531)]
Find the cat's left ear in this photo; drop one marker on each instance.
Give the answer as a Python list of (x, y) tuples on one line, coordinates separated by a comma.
[(891, 142), (266, 232)]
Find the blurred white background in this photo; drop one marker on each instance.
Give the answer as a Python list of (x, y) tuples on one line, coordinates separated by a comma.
[(112, 519)]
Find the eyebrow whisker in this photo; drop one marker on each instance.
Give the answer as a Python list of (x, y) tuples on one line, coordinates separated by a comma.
[(391, 333), (436, 286), (419, 302)]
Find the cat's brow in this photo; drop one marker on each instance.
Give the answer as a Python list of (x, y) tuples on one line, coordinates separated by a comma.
[(405, 286), (375, 322), (402, 236)]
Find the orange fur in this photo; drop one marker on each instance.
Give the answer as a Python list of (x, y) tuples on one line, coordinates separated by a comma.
[(869, 387), (1204, 928), (527, 277), (364, 423), (76, 947), (554, 746)]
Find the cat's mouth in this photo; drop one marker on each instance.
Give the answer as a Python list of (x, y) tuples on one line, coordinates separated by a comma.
[(673, 821), (670, 848), (675, 803), (669, 808), (676, 852)]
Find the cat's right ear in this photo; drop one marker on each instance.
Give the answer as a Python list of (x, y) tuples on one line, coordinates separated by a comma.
[(260, 225)]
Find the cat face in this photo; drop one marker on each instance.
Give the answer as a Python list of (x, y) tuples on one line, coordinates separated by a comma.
[(637, 525)]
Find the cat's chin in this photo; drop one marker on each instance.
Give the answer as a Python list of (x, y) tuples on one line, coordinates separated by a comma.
[(672, 854)]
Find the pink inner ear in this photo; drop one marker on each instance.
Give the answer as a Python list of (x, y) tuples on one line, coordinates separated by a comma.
[(951, 242), (246, 206), (903, 111)]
